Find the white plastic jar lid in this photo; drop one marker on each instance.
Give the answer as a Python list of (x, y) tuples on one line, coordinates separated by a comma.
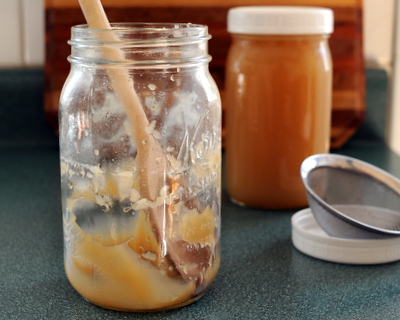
[(309, 238), (280, 20)]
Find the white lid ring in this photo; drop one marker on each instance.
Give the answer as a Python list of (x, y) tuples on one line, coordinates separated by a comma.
[(280, 20)]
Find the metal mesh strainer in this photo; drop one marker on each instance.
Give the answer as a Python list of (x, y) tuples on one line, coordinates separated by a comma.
[(350, 198)]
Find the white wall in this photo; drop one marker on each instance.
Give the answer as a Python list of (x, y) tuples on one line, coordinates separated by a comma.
[(393, 114), (378, 32), (21, 33), (382, 49)]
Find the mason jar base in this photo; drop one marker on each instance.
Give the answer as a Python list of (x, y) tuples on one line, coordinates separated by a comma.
[(175, 306)]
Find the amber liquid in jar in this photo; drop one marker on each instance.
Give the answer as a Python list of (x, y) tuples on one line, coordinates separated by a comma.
[(278, 113)]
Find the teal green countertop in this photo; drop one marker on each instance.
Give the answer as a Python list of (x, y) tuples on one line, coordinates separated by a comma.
[(262, 276)]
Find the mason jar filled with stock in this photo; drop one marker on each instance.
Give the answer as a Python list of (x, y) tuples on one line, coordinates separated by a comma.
[(140, 145), (278, 101)]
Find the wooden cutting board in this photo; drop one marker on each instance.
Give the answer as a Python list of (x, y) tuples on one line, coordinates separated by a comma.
[(348, 105)]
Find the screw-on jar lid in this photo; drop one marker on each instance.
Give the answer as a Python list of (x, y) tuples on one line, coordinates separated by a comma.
[(309, 238), (280, 20)]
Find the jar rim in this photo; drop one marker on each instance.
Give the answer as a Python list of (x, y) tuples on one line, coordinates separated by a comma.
[(144, 26), (141, 44), (143, 31)]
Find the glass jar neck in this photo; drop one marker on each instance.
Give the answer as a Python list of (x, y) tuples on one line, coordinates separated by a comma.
[(140, 45)]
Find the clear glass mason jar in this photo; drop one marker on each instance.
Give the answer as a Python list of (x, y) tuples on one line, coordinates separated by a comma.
[(140, 143)]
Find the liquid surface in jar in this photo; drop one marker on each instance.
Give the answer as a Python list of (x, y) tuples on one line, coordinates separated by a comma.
[(278, 113), (118, 263)]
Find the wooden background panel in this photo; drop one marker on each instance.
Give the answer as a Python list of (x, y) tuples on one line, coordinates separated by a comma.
[(345, 43), (205, 3)]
